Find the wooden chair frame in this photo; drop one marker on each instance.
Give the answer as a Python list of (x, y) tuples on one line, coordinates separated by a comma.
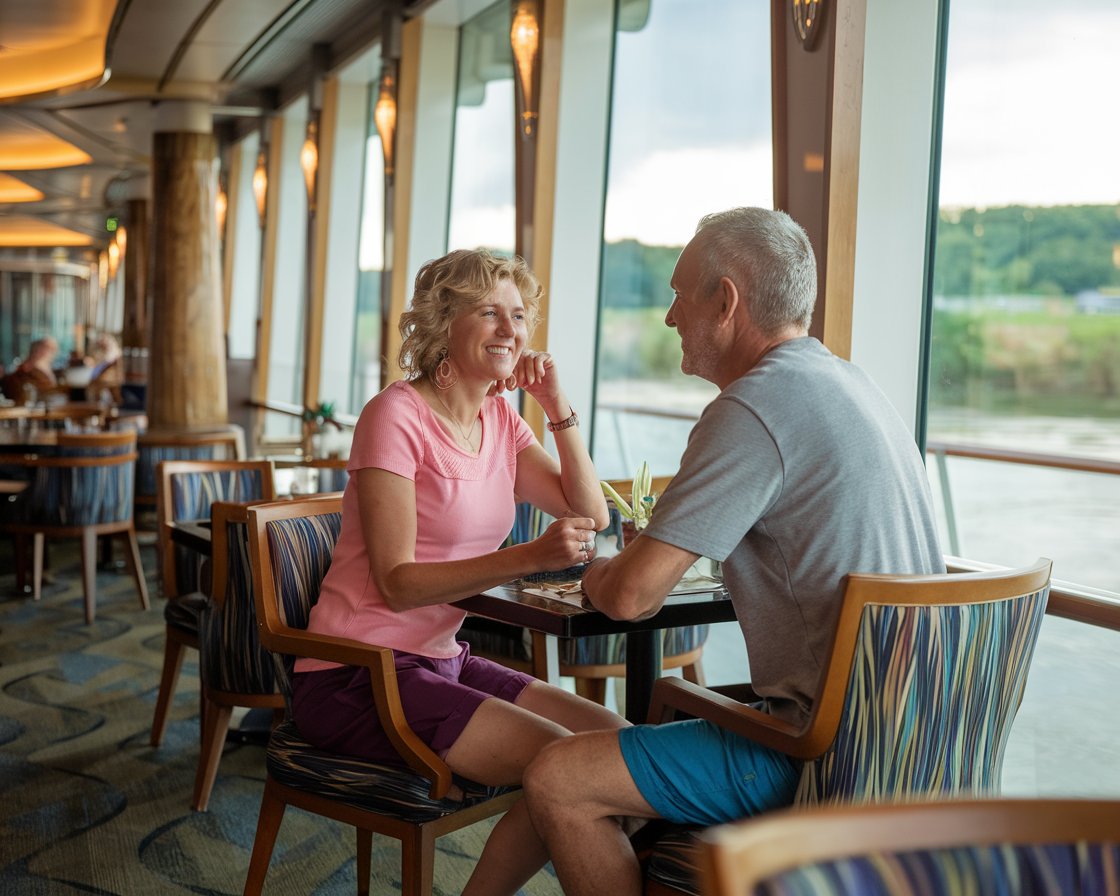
[(176, 640), (417, 839), (87, 533), (735, 858), (673, 694), (218, 705)]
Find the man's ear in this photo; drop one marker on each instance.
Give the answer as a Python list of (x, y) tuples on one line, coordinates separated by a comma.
[(727, 294)]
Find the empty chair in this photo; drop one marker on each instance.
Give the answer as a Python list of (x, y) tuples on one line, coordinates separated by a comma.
[(187, 490), (225, 443), (291, 544), (923, 680), (80, 488), (1014, 847), (235, 669)]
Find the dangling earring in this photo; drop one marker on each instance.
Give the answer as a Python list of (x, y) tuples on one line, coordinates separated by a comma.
[(444, 376)]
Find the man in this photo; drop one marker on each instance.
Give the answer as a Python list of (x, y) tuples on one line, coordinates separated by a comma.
[(798, 473), (35, 377)]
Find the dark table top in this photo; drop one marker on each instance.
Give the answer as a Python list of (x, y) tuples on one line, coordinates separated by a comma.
[(568, 620)]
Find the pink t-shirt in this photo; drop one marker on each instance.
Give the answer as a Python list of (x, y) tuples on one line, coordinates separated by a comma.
[(464, 508)]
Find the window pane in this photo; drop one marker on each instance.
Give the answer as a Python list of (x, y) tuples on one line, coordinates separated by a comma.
[(289, 295), (365, 378), (1026, 307), (246, 237), (690, 134), (482, 210)]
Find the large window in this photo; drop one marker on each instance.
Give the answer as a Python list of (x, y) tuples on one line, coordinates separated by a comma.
[(289, 294), (1026, 306), (482, 209), (365, 378), (690, 134)]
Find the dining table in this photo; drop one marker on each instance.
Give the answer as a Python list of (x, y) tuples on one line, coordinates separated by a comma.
[(567, 616)]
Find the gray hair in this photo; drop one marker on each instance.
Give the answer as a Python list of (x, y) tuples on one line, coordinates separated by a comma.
[(769, 258)]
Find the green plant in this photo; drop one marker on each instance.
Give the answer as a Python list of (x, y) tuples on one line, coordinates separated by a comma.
[(322, 415), (639, 510)]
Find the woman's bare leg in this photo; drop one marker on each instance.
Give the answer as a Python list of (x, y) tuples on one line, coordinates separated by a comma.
[(495, 748)]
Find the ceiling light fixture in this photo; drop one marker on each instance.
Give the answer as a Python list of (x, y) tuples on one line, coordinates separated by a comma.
[(525, 40), (385, 115), (260, 186), (309, 161)]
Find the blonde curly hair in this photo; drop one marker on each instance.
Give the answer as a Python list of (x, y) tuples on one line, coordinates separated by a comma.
[(444, 289)]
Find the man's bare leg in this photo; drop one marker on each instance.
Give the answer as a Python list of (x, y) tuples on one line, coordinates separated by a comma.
[(576, 791)]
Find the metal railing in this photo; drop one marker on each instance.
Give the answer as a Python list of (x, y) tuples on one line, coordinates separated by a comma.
[(1089, 605), (941, 451)]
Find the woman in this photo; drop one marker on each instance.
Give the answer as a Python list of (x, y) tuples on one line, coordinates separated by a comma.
[(435, 465)]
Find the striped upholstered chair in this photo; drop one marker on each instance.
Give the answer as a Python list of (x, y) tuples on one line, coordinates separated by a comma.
[(79, 488), (590, 660), (1017, 847), (291, 544), (235, 670), (187, 490), (156, 446), (916, 699)]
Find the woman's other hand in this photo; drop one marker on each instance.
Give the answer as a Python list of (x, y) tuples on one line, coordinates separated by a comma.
[(567, 542)]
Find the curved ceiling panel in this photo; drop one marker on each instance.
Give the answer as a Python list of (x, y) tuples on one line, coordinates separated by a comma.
[(49, 46), (23, 231)]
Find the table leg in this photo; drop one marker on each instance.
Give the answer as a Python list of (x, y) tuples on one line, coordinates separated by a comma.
[(643, 667)]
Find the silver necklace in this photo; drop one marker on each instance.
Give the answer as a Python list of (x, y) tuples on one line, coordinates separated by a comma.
[(450, 416)]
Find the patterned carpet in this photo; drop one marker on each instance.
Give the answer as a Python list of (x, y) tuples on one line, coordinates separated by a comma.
[(89, 807)]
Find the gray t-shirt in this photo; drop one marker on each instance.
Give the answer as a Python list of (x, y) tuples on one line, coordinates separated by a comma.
[(795, 475)]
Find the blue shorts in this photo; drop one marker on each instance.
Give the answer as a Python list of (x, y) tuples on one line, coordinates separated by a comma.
[(694, 772)]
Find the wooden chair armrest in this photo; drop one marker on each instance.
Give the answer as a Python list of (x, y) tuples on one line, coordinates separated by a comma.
[(386, 697), (672, 695)]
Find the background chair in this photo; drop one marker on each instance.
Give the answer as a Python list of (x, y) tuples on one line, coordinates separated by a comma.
[(1011, 847), (916, 698), (291, 544), (235, 670), (83, 488), (592, 660), (155, 447), (187, 491)]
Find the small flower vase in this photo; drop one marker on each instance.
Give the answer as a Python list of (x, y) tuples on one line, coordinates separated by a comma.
[(629, 532)]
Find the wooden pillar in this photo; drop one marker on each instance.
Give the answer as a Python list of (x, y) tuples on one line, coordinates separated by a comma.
[(137, 308), (817, 101), (187, 378)]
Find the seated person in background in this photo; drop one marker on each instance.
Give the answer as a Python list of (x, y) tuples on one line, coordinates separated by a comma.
[(799, 472), (34, 378), (107, 373), (436, 462)]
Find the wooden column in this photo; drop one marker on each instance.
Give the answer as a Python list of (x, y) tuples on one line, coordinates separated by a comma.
[(137, 308), (817, 101), (187, 379)]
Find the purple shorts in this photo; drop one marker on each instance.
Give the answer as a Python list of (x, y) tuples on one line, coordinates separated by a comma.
[(333, 708)]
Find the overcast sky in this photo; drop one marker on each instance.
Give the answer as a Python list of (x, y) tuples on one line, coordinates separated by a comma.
[(1030, 117)]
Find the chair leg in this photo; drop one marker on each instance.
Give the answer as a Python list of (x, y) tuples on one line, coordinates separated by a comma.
[(216, 725), (89, 572), (365, 849), (594, 689), (37, 542), (132, 556), (418, 856), (694, 672), (173, 650), (21, 562), (268, 826)]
